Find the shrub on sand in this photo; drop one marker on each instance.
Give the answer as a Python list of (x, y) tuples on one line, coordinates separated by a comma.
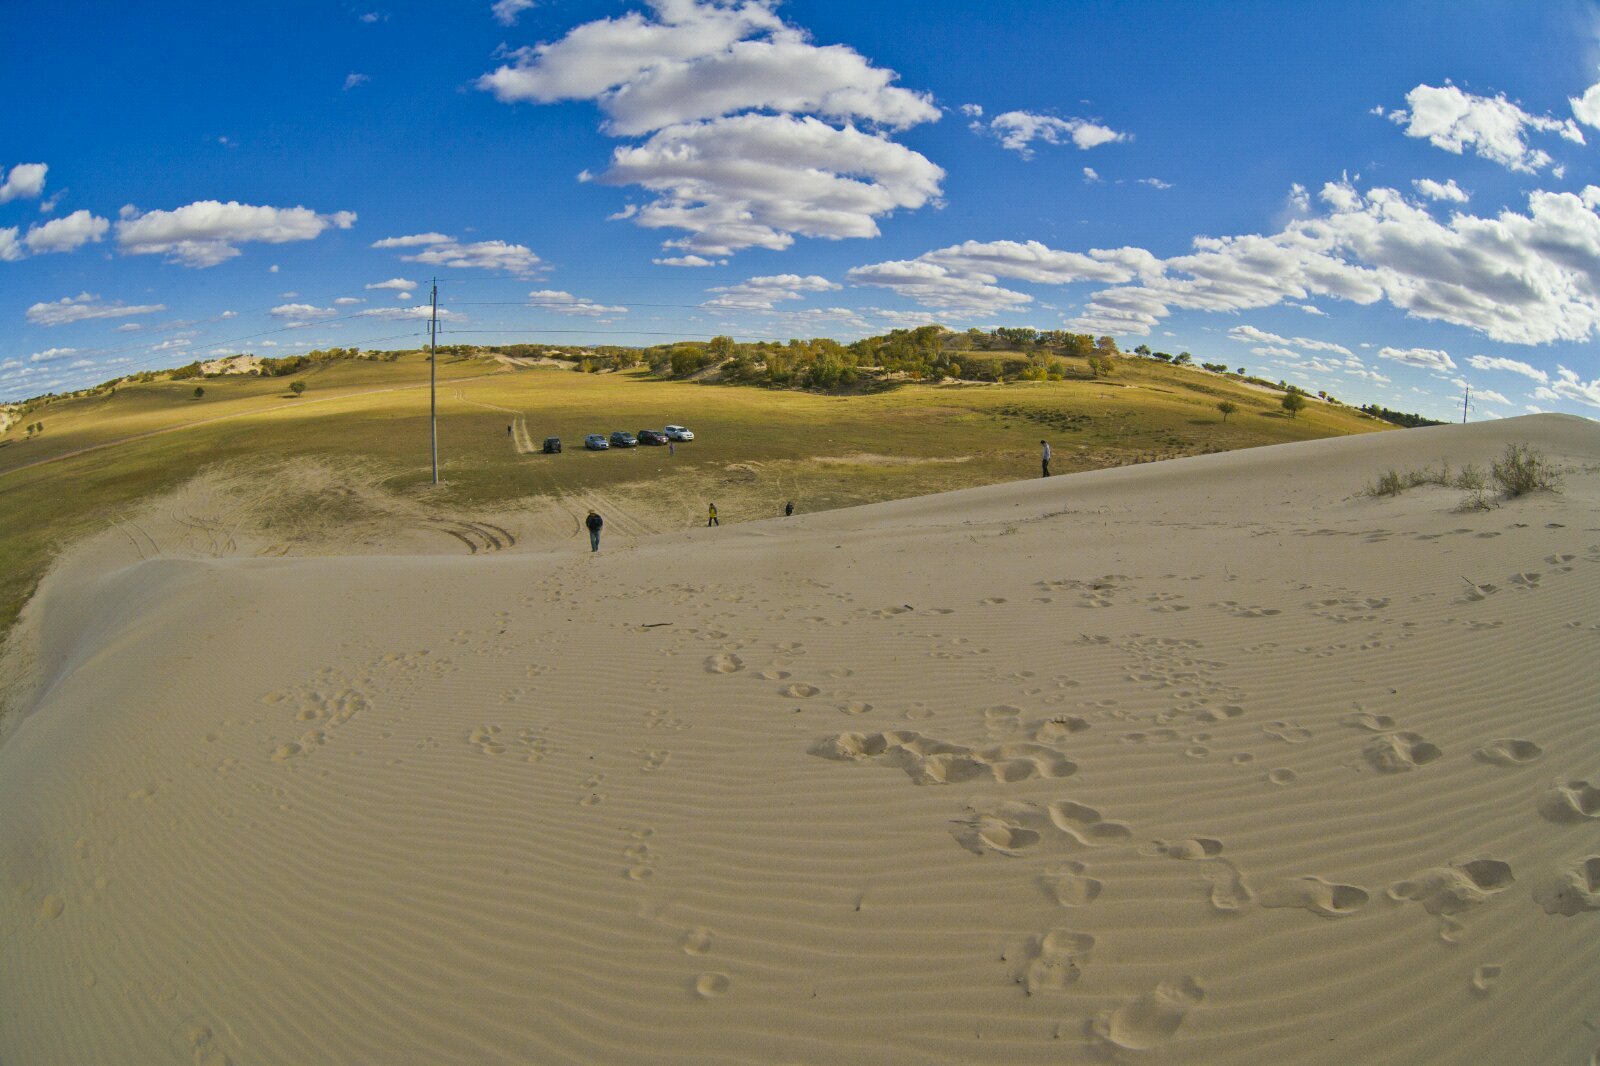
[(1523, 469)]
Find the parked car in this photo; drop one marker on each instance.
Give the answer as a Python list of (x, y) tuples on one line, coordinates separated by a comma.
[(552, 445), (678, 433), (652, 436), (619, 439), (596, 442)]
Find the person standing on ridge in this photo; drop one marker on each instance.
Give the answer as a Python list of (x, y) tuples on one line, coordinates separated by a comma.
[(594, 522), (508, 431), (1044, 457), (788, 509), (712, 519)]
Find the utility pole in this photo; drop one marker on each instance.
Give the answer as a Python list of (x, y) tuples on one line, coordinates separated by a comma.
[(433, 379), (1466, 402)]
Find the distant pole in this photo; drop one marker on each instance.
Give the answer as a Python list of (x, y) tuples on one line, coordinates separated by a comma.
[(433, 378), (1466, 402)]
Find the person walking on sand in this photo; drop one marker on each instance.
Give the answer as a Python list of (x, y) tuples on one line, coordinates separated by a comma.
[(508, 431), (1044, 457), (712, 519), (788, 509), (594, 522)]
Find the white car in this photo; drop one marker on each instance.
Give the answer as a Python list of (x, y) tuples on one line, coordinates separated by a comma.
[(678, 433)]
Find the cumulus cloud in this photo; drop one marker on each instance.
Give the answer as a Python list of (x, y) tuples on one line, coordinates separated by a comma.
[(438, 249), (764, 292), (506, 11), (1568, 385), (397, 284), (1586, 108), (1433, 190), (1155, 183), (67, 233), (353, 79), (24, 182), (1252, 335), (1492, 396), (1427, 358), (1017, 130), (564, 303), (932, 285), (10, 245), (1491, 127), (421, 312), (1514, 366), (686, 261), (207, 232), (52, 354), (752, 128), (302, 311), (83, 307)]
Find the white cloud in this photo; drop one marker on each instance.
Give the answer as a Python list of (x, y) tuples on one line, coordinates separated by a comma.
[(353, 79), (564, 303), (397, 284), (1514, 366), (52, 354), (1252, 335), (764, 292), (1311, 309), (1586, 108), (302, 311), (686, 261), (347, 301), (1492, 127), (439, 250), (1427, 358), (83, 307), (1032, 261), (1155, 183), (1447, 191), (932, 285), (421, 312), (1569, 386), (972, 110), (1491, 396), (506, 11), (10, 246), (25, 182), (1091, 176), (66, 234), (1017, 130), (207, 232), (753, 134)]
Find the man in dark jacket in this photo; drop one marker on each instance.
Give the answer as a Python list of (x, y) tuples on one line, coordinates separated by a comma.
[(594, 522)]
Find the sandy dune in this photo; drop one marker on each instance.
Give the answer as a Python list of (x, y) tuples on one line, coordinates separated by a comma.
[(1202, 761)]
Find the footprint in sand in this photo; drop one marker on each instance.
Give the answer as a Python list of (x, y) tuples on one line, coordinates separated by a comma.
[(799, 690), (1223, 713), (1393, 753), (654, 760), (1017, 829), (935, 762), (1056, 961), (1287, 732), (1484, 978), (1570, 801), (773, 675), (1282, 776), (51, 906), (712, 985), (1230, 894), (1508, 752), (1149, 1020), (1054, 730), (855, 707), (1070, 884), (1572, 890), (1200, 848), (483, 737), (697, 941), (1454, 888), (724, 663), (1372, 723), (1320, 897)]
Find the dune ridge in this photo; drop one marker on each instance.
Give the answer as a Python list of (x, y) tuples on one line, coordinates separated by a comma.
[(1210, 760)]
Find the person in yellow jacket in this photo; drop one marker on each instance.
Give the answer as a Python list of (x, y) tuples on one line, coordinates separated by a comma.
[(711, 520)]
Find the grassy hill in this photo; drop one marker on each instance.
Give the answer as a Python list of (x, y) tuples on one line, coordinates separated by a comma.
[(99, 455)]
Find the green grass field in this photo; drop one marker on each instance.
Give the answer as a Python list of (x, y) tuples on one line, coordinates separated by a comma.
[(100, 456)]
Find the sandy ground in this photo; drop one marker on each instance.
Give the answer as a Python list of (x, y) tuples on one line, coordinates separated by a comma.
[(1209, 760)]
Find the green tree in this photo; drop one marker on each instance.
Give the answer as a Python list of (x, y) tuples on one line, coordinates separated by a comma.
[(198, 392), (1227, 407), (1293, 402), (721, 347), (1181, 358), (297, 387)]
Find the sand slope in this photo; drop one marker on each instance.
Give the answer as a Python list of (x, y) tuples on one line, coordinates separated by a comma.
[(1203, 761)]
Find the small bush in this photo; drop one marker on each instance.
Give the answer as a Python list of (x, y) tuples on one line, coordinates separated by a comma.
[(1470, 478), (1389, 483), (1523, 469)]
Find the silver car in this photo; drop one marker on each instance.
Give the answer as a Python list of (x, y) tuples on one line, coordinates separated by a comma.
[(678, 433)]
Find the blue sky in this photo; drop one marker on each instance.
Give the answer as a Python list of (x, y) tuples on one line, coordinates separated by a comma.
[(1384, 200)]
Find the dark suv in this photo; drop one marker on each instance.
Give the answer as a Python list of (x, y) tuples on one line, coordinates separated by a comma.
[(652, 436), (619, 439), (552, 445)]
